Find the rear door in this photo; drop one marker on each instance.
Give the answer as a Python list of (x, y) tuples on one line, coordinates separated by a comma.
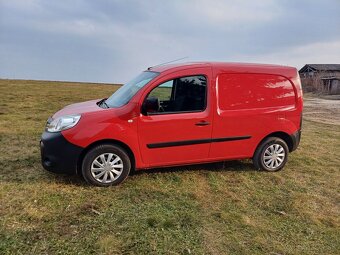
[(180, 130)]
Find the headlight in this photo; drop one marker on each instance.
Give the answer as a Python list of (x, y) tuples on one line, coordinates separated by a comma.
[(62, 123)]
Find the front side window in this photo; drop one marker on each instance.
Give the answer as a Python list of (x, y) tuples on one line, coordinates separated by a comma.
[(123, 95), (185, 94)]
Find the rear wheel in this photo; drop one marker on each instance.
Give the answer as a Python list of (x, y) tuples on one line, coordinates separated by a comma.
[(106, 165), (271, 155)]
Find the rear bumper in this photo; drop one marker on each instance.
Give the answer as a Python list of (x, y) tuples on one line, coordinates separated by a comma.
[(57, 154), (295, 140)]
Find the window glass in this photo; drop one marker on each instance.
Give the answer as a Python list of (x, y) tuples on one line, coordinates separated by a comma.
[(123, 95), (185, 94), (163, 91)]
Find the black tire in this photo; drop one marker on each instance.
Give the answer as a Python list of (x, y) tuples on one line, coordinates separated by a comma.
[(259, 155), (106, 150)]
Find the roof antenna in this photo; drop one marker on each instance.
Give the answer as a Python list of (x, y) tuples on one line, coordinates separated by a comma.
[(149, 68)]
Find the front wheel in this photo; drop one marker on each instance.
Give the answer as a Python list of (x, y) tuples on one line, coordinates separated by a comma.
[(271, 155), (106, 165)]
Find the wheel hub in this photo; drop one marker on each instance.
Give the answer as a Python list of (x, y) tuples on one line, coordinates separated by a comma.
[(107, 168)]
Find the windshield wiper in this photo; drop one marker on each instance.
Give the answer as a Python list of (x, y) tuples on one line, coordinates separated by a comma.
[(102, 102)]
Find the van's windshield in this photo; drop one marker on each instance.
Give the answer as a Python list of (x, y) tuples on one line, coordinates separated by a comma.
[(123, 95)]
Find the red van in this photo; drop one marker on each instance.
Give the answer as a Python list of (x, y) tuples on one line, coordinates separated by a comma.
[(179, 114)]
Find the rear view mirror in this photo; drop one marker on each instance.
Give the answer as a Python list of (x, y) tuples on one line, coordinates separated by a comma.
[(150, 105)]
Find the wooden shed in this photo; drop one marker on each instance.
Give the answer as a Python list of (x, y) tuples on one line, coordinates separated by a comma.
[(326, 75)]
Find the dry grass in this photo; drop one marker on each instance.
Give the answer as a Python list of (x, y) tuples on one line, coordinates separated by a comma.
[(222, 208)]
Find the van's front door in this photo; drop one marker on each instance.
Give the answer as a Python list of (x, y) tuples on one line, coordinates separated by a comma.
[(175, 125)]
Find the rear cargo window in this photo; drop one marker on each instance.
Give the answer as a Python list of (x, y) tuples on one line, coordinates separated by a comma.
[(247, 91)]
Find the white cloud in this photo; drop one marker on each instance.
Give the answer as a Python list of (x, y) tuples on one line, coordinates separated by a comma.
[(221, 12), (313, 53), (80, 27), (22, 5)]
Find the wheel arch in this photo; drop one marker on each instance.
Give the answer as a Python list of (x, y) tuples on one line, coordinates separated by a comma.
[(282, 135), (107, 141)]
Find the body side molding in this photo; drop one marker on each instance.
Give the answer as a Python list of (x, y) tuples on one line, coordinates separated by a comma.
[(198, 141)]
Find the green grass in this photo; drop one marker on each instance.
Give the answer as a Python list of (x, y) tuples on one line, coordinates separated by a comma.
[(162, 93), (222, 208)]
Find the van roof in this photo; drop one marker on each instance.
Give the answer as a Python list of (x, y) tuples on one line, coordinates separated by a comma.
[(227, 67)]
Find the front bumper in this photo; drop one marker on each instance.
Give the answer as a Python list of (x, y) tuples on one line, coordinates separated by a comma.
[(57, 154), (295, 140)]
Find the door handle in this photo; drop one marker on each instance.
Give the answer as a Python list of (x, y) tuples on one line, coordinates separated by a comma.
[(202, 123)]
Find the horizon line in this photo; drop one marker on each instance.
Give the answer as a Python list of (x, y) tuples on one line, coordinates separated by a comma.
[(66, 81)]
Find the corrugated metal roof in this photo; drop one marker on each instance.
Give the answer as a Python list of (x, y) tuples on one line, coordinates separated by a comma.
[(322, 67)]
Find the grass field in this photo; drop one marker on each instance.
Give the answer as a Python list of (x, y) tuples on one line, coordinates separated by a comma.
[(222, 208)]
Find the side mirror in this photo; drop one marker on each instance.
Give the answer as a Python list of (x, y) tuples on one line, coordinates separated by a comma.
[(150, 105)]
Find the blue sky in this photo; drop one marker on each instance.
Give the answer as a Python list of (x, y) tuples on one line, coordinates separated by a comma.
[(112, 41)]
